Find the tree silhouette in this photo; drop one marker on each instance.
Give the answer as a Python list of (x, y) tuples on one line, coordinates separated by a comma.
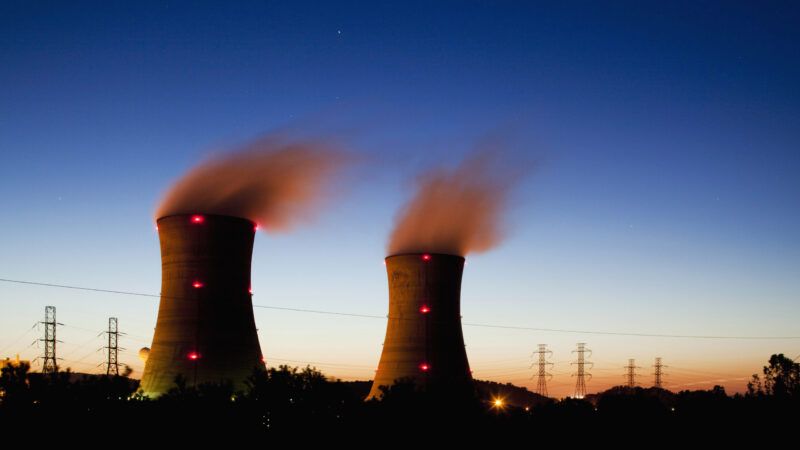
[(14, 386), (781, 379)]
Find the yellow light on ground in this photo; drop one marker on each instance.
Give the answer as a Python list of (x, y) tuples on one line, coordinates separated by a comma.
[(498, 403)]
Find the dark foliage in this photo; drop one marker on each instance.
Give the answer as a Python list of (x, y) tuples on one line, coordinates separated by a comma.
[(304, 401)]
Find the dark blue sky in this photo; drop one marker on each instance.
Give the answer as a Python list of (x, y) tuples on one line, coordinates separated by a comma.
[(668, 135)]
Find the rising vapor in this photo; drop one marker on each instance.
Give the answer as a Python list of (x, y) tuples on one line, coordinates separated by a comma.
[(457, 212), (273, 181)]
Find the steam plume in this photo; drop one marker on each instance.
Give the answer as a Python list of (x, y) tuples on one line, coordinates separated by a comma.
[(456, 212), (271, 181)]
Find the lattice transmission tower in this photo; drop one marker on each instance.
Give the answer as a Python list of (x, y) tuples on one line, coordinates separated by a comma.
[(582, 374), (112, 365), (542, 375), (49, 364), (659, 374), (630, 374)]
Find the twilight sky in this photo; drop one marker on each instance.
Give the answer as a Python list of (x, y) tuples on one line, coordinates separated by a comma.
[(665, 199)]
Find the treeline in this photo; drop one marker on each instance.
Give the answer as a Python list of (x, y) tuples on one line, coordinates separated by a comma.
[(287, 399)]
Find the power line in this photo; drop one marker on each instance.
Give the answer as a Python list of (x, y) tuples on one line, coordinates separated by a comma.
[(80, 360), (613, 333), (80, 288), (318, 311), (127, 336), (19, 338), (79, 328), (355, 366), (469, 324), (78, 346)]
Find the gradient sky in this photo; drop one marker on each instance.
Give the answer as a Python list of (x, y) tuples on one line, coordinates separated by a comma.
[(665, 201)]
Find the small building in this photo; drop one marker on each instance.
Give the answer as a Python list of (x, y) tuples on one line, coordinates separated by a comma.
[(8, 362)]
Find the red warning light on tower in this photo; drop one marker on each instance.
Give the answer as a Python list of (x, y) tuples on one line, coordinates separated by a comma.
[(198, 218)]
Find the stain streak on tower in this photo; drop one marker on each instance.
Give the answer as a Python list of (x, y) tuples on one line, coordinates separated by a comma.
[(424, 341), (205, 330)]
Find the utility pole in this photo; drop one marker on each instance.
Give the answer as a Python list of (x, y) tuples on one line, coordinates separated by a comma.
[(49, 365), (630, 375), (113, 335), (580, 385), (541, 385), (659, 374)]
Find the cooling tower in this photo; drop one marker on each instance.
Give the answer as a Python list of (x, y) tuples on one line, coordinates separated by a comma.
[(205, 330), (424, 342)]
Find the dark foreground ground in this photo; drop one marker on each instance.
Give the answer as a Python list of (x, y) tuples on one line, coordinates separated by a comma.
[(303, 403)]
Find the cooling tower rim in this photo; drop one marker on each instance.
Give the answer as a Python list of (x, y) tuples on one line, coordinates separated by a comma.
[(449, 255), (209, 215)]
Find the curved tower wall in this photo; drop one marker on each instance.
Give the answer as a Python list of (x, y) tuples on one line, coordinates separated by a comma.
[(205, 329), (424, 342)]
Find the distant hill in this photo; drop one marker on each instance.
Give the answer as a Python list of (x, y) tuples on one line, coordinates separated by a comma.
[(651, 392), (488, 390), (510, 394), (75, 377), (359, 388)]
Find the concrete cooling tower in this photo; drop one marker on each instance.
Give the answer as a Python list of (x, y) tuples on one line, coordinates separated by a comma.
[(424, 342), (205, 330)]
